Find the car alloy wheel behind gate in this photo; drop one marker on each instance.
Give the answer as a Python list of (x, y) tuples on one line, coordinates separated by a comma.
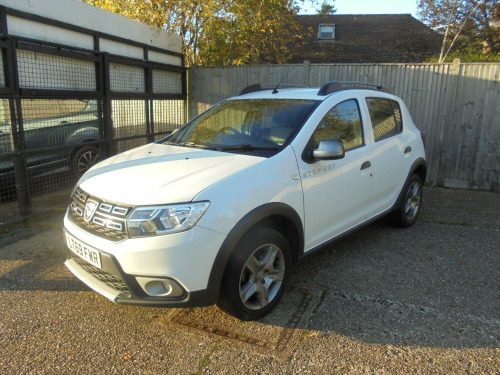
[(84, 159)]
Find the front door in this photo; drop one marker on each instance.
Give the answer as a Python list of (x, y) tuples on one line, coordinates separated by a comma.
[(337, 193)]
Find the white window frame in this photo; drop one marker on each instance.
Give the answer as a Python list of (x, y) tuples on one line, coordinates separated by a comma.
[(329, 25)]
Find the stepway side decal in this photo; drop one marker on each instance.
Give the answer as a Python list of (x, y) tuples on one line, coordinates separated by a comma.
[(318, 171)]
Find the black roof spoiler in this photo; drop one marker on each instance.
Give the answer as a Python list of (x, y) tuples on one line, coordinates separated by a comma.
[(335, 86)]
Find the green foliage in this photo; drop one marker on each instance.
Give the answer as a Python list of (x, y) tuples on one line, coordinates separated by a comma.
[(250, 32), (467, 56), (466, 24), (327, 7)]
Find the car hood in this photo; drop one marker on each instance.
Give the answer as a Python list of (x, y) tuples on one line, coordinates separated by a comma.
[(160, 174)]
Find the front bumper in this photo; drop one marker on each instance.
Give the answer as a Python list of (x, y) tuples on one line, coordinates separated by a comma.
[(185, 257), (198, 298)]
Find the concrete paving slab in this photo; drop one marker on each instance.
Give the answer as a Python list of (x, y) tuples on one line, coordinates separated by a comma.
[(331, 353), (81, 332), (461, 207), (276, 334), (447, 267)]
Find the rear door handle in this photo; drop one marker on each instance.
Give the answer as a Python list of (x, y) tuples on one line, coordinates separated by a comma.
[(366, 165), (407, 150)]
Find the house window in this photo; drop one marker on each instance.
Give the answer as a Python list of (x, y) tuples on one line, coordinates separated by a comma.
[(326, 31)]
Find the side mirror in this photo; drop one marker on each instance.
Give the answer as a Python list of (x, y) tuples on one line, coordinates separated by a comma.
[(329, 150)]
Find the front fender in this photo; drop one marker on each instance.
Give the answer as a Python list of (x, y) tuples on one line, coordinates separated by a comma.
[(250, 220), (83, 134)]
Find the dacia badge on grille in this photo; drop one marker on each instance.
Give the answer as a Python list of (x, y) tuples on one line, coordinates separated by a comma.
[(90, 208)]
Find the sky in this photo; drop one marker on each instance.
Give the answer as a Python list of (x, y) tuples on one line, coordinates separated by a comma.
[(369, 7)]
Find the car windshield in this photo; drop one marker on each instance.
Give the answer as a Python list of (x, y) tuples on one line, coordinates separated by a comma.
[(261, 126)]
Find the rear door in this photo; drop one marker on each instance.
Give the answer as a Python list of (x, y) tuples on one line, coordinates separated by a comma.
[(391, 163)]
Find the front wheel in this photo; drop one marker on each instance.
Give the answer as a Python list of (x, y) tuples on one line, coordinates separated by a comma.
[(407, 212), (256, 274), (84, 159)]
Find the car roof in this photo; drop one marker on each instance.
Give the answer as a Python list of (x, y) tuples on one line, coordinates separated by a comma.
[(309, 93), (285, 93)]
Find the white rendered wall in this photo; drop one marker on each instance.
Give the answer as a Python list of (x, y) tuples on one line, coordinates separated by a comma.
[(85, 15)]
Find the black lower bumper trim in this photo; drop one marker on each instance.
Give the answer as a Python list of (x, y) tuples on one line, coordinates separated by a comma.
[(199, 298)]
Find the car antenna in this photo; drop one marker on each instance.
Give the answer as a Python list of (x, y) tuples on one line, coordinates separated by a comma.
[(275, 91)]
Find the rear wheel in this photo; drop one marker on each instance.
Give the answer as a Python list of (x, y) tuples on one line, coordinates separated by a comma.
[(407, 212), (256, 274), (84, 159)]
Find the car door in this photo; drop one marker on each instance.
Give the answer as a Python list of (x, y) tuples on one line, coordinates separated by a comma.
[(391, 163), (337, 193)]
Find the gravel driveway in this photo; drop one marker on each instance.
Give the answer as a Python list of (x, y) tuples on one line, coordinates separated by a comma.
[(384, 300)]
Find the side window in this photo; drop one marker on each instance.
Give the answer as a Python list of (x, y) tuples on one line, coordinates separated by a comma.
[(397, 115), (342, 123), (386, 117)]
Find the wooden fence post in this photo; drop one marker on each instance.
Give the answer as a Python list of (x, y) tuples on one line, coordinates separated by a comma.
[(307, 64), (448, 123)]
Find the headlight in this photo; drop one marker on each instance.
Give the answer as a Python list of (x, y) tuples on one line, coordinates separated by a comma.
[(157, 220)]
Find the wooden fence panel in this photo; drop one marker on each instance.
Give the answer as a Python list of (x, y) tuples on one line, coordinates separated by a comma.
[(456, 105)]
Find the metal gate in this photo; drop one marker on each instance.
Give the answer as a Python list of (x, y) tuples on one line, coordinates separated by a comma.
[(64, 108)]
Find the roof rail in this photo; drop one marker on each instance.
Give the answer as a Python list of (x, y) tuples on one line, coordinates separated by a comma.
[(258, 87), (335, 86)]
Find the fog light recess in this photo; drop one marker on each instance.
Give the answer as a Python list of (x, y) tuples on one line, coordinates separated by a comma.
[(160, 287)]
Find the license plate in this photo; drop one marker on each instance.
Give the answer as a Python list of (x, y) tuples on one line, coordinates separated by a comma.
[(84, 251)]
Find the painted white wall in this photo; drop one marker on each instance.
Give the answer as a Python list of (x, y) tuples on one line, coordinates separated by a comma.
[(35, 30), (85, 15), (117, 48), (163, 58)]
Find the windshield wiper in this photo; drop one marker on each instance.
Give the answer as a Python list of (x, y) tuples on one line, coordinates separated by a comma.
[(191, 144), (248, 147)]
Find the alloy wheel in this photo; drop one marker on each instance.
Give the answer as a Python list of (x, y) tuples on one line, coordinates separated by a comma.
[(413, 200), (262, 277)]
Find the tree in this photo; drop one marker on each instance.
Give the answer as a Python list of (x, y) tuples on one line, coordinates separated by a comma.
[(471, 25), (220, 32), (327, 7), (250, 32)]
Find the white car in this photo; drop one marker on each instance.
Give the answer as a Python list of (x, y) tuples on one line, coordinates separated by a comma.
[(220, 210)]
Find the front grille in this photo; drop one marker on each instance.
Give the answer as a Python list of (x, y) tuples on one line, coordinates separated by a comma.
[(103, 218), (115, 282)]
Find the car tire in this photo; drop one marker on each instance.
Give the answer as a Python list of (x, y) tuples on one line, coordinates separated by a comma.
[(256, 274), (85, 158), (410, 205)]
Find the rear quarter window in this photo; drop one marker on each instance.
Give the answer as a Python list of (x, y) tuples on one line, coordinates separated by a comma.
[(385, 115)]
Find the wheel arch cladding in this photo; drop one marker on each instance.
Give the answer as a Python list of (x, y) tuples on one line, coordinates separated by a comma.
[(419, 167), (279, 216)]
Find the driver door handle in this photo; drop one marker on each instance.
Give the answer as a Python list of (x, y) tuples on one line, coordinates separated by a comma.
[(366, 165)]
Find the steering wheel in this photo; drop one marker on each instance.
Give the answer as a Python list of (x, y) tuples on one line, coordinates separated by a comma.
[(227, 129)]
